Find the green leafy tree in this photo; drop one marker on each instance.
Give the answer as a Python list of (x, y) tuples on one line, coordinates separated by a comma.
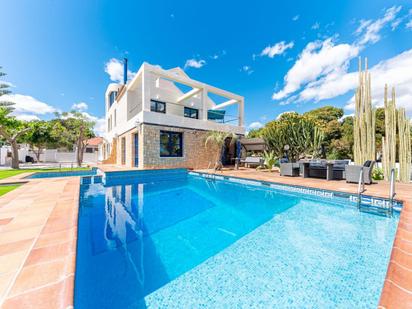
[(255, 133), (327, 118), (301, 134), (77, 129), (43, 134), (4, 89), (218, 140), (12, 129)]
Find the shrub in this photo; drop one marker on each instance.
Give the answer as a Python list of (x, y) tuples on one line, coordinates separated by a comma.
[(377, 174)]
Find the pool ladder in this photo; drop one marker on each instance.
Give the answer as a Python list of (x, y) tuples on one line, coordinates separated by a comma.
[(388, 211), (209, 176)]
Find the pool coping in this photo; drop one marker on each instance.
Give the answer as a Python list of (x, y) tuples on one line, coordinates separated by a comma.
[(44, 268), (59, 293), (306, 190)]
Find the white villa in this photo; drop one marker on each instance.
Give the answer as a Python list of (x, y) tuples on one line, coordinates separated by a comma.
[(160, 119)]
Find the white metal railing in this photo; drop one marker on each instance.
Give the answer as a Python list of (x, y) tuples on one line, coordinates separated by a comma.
[(361, 187), (392, 192)]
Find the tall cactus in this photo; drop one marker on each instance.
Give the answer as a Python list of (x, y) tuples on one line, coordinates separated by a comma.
[(364, 120), (389, 140), (404, 129)]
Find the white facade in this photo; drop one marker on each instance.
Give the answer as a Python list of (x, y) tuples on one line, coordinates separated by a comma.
[(132, 106)]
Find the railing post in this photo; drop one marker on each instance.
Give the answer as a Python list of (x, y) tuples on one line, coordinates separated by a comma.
[(392, 192), (361, 187)]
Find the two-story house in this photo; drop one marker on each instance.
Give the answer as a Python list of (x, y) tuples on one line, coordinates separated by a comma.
[(160, 118)]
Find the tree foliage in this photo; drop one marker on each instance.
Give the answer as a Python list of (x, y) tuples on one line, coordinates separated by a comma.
[(299, 132), (76, 130), (218, 139), (11, 130), (4, 89), (43, 134)]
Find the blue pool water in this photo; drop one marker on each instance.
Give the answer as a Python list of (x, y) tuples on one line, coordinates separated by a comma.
[(172, 240), (91, 172)]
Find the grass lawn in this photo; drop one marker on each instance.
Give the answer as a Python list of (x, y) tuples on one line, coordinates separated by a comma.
[(7, 188), (9, 173)]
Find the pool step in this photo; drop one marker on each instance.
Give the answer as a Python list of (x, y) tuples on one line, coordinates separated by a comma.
[(88, 180), (376, 206), (376, 210)]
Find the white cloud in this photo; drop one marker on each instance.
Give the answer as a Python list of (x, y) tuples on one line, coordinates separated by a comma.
[(255, 125), (81, 106), (218, 55), (409, 24), (321, 70), (193, 63), (396, 23), (369, 30), (317, 60), (114, 67), (25, 104), (296, 17), (247, 69), (395, 71), (315, 26), (277, 49), (27, 117)]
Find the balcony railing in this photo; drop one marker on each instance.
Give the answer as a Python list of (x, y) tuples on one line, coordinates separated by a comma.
[(218, 116)]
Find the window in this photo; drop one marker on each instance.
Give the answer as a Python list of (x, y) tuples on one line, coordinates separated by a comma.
[(157, 106), (112, 97), (115, 116), (89, 150), (191, 113), (171, 144)]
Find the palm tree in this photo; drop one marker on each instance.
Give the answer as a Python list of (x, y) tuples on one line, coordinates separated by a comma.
[(218, 139), (3, 91)]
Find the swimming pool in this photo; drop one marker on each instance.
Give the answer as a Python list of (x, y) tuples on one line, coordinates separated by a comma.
[(169, 239), (90, 172)]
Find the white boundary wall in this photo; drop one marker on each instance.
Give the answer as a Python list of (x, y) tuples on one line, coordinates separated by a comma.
[(49, 155)]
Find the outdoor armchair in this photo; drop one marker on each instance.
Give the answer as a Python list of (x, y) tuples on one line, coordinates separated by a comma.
[(289, 169), (352, 172)]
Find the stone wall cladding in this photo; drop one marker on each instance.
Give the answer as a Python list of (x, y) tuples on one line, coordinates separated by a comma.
[(195, 154)]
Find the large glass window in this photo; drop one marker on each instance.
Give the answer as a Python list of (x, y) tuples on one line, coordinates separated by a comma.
[(191, 113), (157, 106), (171, 144), (112, 97)]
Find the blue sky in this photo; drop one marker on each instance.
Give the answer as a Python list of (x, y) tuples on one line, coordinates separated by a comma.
[(292, 55)]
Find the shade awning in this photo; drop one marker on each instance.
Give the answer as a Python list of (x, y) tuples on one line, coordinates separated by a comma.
[(253, 144)]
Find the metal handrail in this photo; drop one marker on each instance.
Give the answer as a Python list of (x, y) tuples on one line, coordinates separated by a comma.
[(392, 192), (361, 187)]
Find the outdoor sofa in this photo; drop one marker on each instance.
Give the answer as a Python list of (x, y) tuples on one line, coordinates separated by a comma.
[(353, 172), (252, 161), (318, 168)]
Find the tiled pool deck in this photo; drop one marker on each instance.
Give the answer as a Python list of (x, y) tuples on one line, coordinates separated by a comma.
[(38, 230)]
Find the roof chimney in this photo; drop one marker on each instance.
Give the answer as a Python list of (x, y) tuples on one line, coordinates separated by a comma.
[(125, 71)]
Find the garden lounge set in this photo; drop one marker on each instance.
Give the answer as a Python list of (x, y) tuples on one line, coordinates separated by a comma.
[(329, 170)]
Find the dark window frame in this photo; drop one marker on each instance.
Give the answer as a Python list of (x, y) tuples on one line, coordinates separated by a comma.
[(112, 97), (170, 144), (191, 110), (156, 109)]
